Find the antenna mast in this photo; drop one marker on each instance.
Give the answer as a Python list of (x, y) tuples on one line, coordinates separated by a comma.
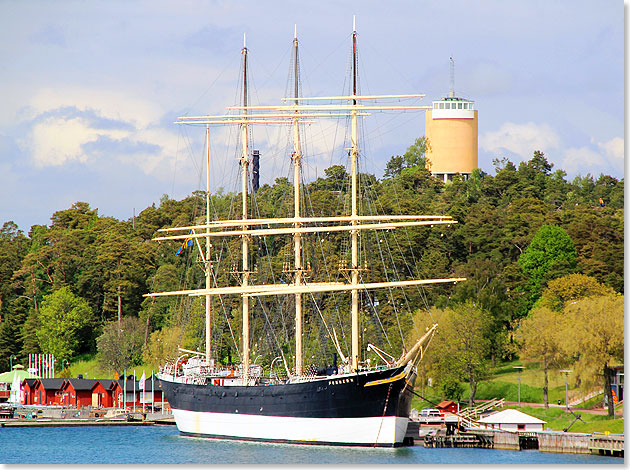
[(451, 93)]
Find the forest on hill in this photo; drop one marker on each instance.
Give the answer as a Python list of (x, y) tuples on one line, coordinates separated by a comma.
[(76, 286)]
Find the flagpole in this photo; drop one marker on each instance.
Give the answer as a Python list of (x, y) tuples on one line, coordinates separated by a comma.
[(125, 390), (152, 392), (143, 389), (134, 390)]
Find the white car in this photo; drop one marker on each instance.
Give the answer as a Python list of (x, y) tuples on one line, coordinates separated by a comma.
[(430, 416)]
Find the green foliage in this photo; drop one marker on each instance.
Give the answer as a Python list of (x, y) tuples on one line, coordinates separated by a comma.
[(120, 345), (451, 389), (550, 254), (458, 350), (593, 333), (540, 339), (64, 320), (111, 263), (565, 289), (414, 157), (162, 346)]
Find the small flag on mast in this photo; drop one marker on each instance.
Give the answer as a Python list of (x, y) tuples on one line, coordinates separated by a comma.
[(142, 380), (187, 244)]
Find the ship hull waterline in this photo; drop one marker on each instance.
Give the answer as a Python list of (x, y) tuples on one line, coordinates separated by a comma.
[(365, 409)]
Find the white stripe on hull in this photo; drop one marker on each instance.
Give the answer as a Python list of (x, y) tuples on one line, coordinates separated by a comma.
[(386, 431)]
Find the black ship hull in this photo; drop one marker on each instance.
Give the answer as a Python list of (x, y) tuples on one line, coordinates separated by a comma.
[(366, 409)]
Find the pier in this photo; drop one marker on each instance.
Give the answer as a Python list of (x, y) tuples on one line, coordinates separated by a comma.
[(49, 423), (544, 441), (59, 416)]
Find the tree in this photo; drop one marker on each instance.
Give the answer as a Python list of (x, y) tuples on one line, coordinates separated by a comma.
[(416, 152), (550, 254), (13, 245), (534, 176), (162, 346), (593, 332), (458, 350), (598, 234), (66, 323), (120, 345), (540, 339), (124, 263), (415, 156), (394, 166), (571, 287)]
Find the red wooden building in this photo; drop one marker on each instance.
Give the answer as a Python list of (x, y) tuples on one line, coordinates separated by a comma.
[(151, 396), (448, 406), (113, 396), (82, 392), (46, 392), (28, 387), (96, 393)]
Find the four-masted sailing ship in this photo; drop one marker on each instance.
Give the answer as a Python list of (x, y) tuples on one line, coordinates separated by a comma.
[(353, 403)]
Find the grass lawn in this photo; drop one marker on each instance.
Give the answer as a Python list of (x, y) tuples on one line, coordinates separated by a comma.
[(503, 383), (557, 420), (89, 367)]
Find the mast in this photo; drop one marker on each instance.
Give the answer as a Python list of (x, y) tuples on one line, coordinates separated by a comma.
[(208, 248), (297, 237), (244, 160), (354, 152)]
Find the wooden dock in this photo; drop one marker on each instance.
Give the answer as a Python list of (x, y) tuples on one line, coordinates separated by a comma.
[(457, 440), (545, 441), (50, 423), (607, 444), (132, 419)]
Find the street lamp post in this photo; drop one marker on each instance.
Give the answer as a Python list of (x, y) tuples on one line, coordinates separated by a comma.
[(519, 368), (13, 356), (566, 388)]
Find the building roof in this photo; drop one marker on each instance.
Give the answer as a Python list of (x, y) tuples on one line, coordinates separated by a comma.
[(510, 416), (108, 383), (7, 377), (30, 382), (82, 384), (445, 404), (147, 384), (52, 384)]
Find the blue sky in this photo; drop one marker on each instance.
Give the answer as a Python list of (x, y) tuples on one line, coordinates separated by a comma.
[(90, 89)]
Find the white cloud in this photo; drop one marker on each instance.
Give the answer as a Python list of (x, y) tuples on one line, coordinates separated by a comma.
[(581, 160), (520, 139), (601, 157), (613, 148), (109, 103), (81, 125), (56, 141)]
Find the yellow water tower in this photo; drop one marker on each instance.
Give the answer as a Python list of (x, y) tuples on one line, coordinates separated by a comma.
[(451, 129)]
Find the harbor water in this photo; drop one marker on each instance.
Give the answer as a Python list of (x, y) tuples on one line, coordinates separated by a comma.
[(164, 445)]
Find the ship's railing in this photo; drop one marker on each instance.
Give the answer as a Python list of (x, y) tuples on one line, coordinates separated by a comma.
[(202, 374)]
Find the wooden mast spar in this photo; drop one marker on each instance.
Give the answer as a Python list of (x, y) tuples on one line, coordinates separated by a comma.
[(207, 261), (297, 235), (245, 237)]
